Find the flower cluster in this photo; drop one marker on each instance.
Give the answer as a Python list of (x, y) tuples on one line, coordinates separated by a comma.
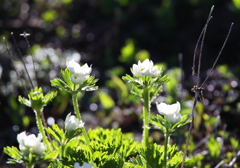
[(79, 73), (31, 143), (72, 123), (171, 112)]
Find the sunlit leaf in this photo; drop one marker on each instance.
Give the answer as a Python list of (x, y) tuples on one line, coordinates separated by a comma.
[(106, 100)]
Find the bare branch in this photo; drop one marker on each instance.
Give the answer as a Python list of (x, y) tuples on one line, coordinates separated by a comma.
[(21, 57), (220, 52)]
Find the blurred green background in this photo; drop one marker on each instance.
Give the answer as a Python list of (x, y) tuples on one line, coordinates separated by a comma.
[(111, 35)]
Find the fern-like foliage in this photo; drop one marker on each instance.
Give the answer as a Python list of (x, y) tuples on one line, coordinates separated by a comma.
[(152, 157)]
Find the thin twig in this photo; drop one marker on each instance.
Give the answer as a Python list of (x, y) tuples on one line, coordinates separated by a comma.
[(220, 52), (190, 129), (21, 57), (199, 38), (202, 35), (180, 134), (29, 47), (10, 55), (201, 47)]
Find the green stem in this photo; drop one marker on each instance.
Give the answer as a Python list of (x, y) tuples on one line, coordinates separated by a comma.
[(146, 117), (165, 149), (41, 130), (76, 109)]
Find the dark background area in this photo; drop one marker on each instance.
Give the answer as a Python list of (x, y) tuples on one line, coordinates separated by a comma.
[(99, 30)]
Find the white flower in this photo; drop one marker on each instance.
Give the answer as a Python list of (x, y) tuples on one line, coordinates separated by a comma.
[(72, 123), (73, 66), (80, 73), (78, 78), (145, 68), (30, 142), (85, 165), (39, 148), (172, 112)]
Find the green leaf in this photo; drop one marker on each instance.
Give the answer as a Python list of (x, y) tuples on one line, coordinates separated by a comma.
[(49, 96), (154, 91), (24, 101), (73, 134), (159, 122), (128, 79), (163, 79), (184, 120), (152, 156), (88, 85), (56, 133), (66, 74), (127, 52), (122, 88), (14, 153), (106, 100)]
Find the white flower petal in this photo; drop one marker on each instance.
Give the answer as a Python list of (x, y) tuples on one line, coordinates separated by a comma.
[(145, 68), (72, 123), (172, 112), (39, 148), (21, 137), (72, 66), (78, 79)]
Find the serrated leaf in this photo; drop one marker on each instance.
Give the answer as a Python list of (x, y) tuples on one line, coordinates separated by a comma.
[(136, 91), (88, 85), (60, 84), (66, 74), (154, 91), (49, 96), (56, 132), (13, 152), (159, 122), (72, 134), (184, 120), (163, 79), (24, 101), (128, 79)]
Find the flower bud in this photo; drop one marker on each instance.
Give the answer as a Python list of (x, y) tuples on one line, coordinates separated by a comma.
[(171, 112), (72, 123)]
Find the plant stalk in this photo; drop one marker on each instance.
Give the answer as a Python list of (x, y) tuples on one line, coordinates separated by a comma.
[(76, 109), (145, 117), (41, 130), (165, 149)]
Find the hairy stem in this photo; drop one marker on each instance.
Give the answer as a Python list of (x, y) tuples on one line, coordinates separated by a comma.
[(76, 109), (41, 129), (165, 149), (146, 116)]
